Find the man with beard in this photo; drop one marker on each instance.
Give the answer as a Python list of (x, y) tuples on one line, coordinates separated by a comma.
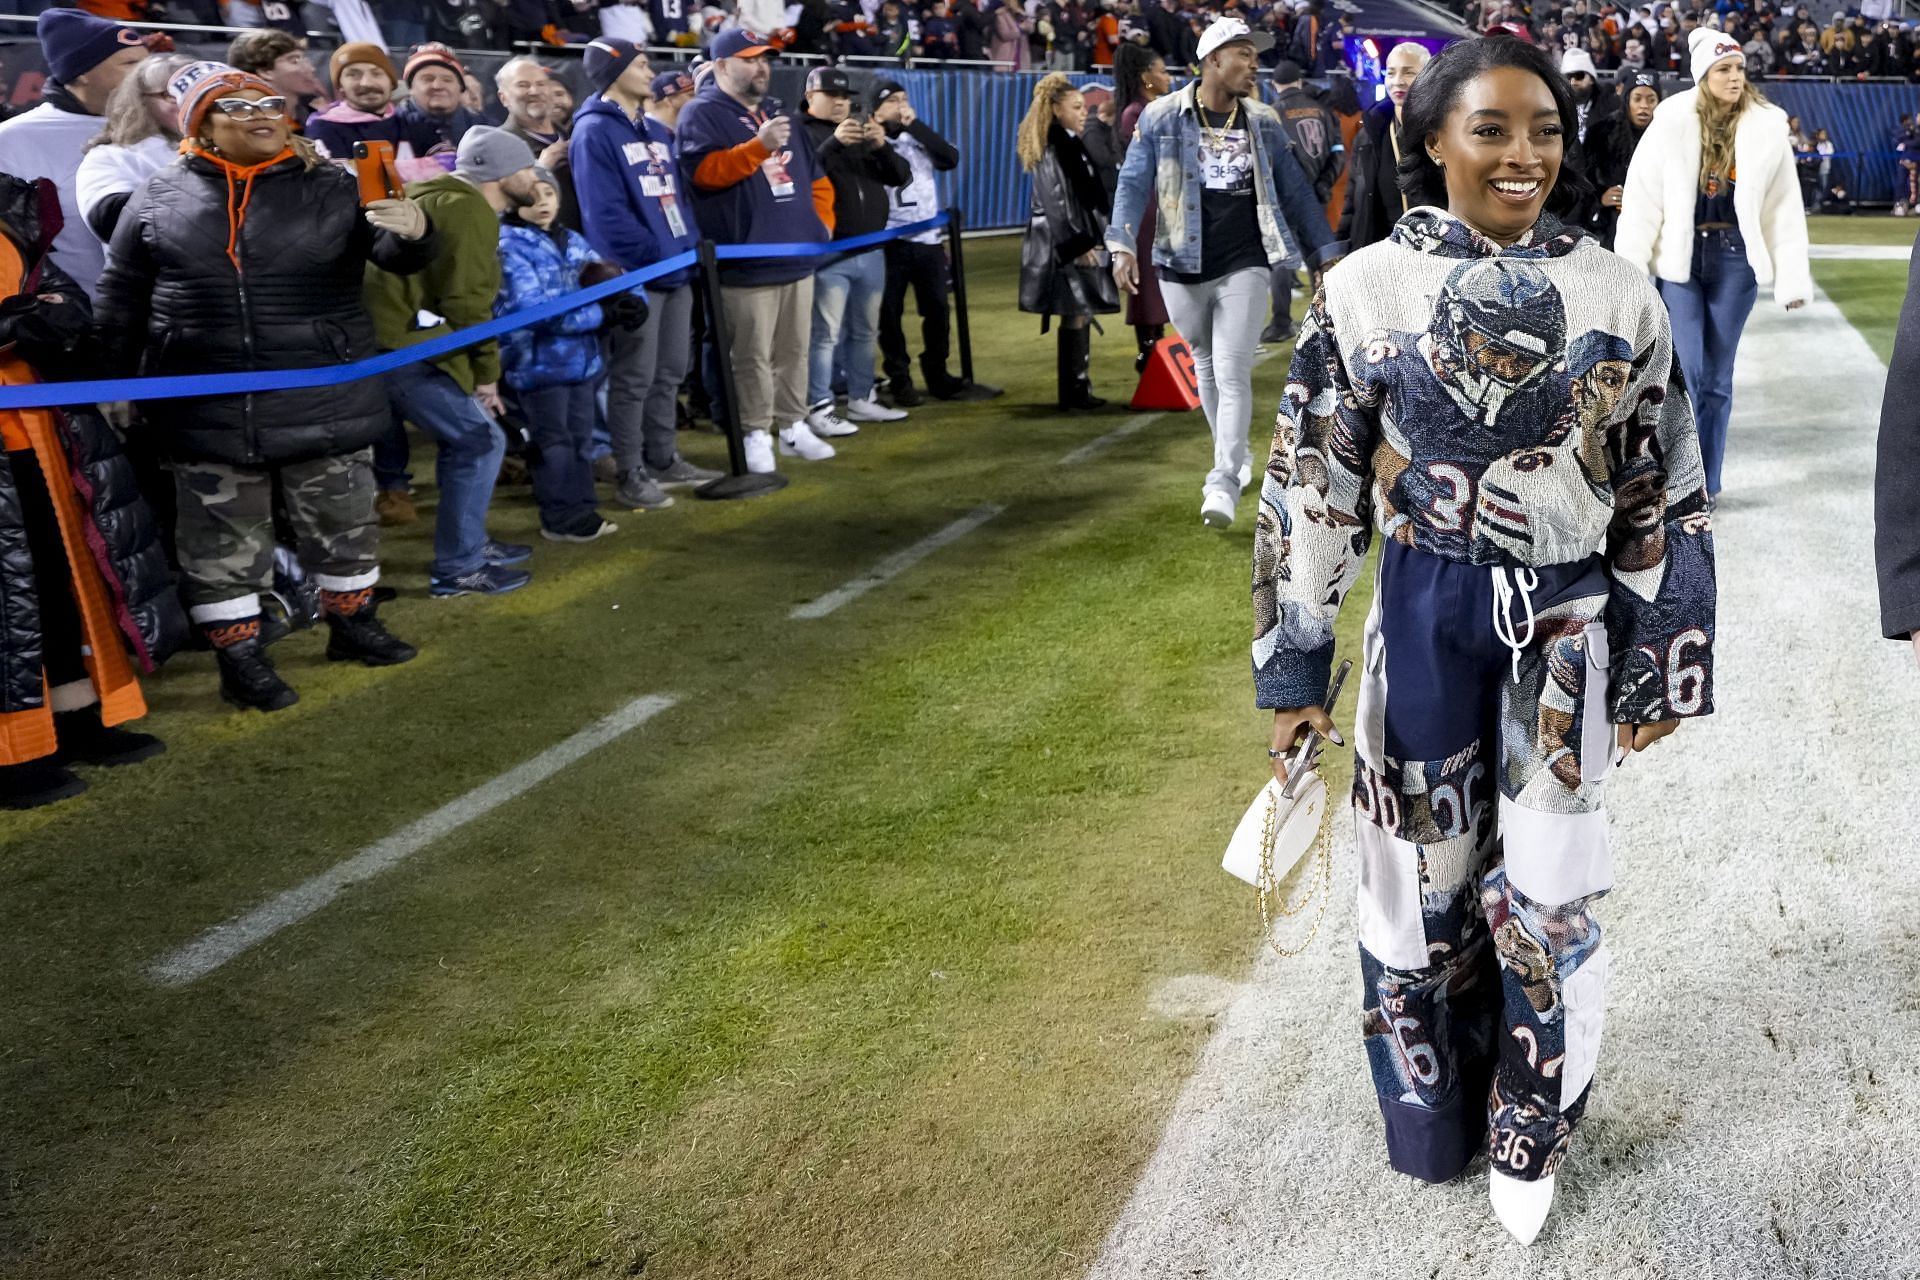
[(1591, 113), (1374, 201), (526, 91), (87, 58), (364, 78), (455, 397), (1611, 149)]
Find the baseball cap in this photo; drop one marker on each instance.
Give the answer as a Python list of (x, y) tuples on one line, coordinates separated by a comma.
[(668, 83), (1226, 31), (830, 80), (739, 43), (881, 91)]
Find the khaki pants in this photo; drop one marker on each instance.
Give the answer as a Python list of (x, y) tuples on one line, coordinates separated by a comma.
[(771, 328)]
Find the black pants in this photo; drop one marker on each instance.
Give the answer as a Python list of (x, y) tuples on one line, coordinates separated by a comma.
[(924, 268), (61, 635)]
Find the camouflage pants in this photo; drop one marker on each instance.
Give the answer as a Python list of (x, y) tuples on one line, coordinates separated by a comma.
[(225, 528)]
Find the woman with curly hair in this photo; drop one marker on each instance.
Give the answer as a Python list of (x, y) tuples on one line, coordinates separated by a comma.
[(1062, 265)]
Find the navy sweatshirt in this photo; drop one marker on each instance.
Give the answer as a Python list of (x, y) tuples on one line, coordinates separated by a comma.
[(772, 202), (629, 190)]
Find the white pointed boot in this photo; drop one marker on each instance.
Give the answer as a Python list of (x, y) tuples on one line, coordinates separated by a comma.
[(1522, 1207)]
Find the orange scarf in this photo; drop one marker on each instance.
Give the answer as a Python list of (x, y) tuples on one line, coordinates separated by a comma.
[(239, 187)]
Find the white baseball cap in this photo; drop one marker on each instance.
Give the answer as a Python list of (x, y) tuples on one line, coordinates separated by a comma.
[(1226, 31)]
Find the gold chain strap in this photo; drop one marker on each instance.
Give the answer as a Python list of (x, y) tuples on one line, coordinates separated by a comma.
[(1320, 885)]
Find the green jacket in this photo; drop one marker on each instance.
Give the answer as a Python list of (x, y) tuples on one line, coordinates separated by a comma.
[(459, 286)]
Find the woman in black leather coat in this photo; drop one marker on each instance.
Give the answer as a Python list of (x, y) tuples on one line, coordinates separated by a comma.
[(1063, 268)]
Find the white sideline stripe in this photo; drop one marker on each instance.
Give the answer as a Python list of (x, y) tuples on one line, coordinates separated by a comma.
[(225, 941), (1100, 444), (1860, 252), (896, 564)]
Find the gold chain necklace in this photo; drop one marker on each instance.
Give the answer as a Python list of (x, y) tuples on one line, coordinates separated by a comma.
[(1216, 139)]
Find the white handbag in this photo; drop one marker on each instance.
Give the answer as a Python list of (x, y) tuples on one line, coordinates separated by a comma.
[(1272, 838)]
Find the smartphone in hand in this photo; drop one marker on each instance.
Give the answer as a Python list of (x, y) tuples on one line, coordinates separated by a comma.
[(373, 165)]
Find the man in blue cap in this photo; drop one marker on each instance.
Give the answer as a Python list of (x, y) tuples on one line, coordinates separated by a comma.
[(757, 180), (87, 58), (634, 213)]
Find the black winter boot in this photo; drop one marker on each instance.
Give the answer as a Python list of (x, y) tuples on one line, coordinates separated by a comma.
[(1074, 362), (84, 740), (37, 782), (247, 678), (356, 635)]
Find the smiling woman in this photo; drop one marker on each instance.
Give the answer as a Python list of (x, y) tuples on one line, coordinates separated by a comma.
[(1490, 389)]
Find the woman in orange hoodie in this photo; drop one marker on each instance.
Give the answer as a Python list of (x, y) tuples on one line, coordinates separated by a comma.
[(85, 591)]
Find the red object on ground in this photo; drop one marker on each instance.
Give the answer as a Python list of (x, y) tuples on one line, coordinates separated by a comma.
[(1170, 381)]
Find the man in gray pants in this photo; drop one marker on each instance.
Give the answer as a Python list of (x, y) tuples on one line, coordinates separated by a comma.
[(635, 213)]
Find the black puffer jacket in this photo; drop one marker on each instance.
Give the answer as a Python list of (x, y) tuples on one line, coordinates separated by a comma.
[(120, 532), (173, 301)]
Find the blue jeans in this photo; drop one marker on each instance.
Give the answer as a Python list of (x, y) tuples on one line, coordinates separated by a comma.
[(560, 422), (1707, 313), (846, 296), (470, 445)]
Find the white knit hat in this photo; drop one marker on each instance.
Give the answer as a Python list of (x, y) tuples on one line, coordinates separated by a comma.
[(1577, 60), (1706, 47)]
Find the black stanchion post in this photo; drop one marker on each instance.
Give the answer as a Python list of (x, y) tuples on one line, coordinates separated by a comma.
[(955, 225), (742, 483)]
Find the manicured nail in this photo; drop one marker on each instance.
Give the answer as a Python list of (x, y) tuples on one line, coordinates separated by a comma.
[(1338, 741)]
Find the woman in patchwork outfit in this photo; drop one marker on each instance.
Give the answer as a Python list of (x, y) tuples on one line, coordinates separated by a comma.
[(1494, 392)]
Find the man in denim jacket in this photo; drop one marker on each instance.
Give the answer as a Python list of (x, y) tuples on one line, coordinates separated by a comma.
[(1233, 203)]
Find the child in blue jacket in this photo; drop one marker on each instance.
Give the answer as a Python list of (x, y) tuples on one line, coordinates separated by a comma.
[(554, 366)]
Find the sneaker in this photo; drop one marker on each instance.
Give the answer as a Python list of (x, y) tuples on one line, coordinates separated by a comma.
[(637, 492), (1217, 509), (505, 553), (1246, 475), (823, 421), (395, 506), (606, 470), (585, 535), (1275, 334), (798, 441), (967, 391), (903, 395), (869, 411), (487, 580), (759, 446), (248, 680), (361, 637), (681, 474)]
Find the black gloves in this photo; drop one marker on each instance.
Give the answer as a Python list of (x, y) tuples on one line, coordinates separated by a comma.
[(625, 311), (56, 338)]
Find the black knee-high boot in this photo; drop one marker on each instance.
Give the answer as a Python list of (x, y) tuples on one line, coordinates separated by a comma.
[(1146, 337), (1074, 355)]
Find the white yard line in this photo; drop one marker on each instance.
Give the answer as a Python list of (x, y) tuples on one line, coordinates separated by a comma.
[(1757, 1096), (1861, 252), (225, 941), (1100, 444), (896, 564)]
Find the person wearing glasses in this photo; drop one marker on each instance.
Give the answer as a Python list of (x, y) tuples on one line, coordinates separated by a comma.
[(249, 254)]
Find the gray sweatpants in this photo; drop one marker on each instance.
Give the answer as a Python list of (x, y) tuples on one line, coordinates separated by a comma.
[(644, 371), (771, 327), (1221, 322)]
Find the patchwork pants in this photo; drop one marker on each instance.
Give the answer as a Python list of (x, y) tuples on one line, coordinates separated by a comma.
[(1483, 846)]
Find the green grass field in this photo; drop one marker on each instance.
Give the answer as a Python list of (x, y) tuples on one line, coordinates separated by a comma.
[(840, 967)]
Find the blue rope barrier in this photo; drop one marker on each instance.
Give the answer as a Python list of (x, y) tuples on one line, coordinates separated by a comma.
[(49, 395)]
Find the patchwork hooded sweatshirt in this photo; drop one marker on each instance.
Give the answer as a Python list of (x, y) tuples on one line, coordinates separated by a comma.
[(1511, 407), (633, 206)]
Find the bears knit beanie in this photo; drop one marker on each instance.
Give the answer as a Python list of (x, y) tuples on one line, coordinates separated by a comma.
[(359, 51), (488, 154), (198, 86), (433, 54), (75, 42), (1706, 47)]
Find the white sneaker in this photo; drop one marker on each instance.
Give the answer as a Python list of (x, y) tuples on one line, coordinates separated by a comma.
[(759, 452), (873, 411), (1522, 1207), (798, 441), (823, 421), (1246, 475), (1217, 509)]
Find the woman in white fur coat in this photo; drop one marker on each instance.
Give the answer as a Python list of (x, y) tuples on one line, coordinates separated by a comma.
[(1712, 210)]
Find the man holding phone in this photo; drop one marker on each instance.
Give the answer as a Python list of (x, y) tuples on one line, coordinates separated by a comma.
[(865, 171), (757, 180)]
